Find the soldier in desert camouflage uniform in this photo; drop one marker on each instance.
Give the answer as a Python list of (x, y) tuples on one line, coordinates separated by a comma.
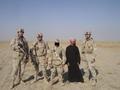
[(19, 45), (58, 60), (41, 48), (88, 48)]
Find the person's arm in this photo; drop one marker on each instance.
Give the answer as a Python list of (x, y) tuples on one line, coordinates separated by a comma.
[(27, 50), (94, 51), (45, 49), (78, 56), (83, 47), (34, 48), (26, 47), (63, 56), (47, 46), (12, 44), (67, 54), (15, 47)]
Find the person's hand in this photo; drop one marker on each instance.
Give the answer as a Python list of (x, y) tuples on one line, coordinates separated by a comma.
[(26, 60), (93, 61), (63, 65), (46, 61), (20, 45), (27, 56)]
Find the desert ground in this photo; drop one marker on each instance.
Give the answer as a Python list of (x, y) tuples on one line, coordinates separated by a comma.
[(107, 64)]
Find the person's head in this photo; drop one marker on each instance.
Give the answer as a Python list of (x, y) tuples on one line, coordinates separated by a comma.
[(88, 35), (20, 32), (72, 41), (57, 43), (39, 36)]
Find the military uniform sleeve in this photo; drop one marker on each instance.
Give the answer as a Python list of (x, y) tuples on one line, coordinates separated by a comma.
[(67, 55), (94, 45), (27, 47), (63, 56), (94, 49), (83, 47), (45, 51), (34, 45), (14, 46), (47, 46), (34, 48), (79, 57)]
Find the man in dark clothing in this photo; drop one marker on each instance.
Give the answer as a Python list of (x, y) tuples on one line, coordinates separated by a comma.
[(73, 61)]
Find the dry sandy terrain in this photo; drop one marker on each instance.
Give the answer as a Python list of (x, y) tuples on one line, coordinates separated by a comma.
[(107, 63)]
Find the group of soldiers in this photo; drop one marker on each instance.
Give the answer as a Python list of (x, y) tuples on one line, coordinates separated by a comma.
[(45, 58)]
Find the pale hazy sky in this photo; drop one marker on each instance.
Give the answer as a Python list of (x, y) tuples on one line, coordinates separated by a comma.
[(60, 18)]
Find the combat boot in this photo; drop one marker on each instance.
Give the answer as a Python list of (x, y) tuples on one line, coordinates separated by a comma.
[(94, 81)]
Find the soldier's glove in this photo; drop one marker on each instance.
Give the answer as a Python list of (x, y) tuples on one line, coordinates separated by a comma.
[(93, 61)]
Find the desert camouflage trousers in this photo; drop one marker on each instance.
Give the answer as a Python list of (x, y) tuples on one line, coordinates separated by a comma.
[(89, 67), (59, 71), (42, 66), (19, 65)]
